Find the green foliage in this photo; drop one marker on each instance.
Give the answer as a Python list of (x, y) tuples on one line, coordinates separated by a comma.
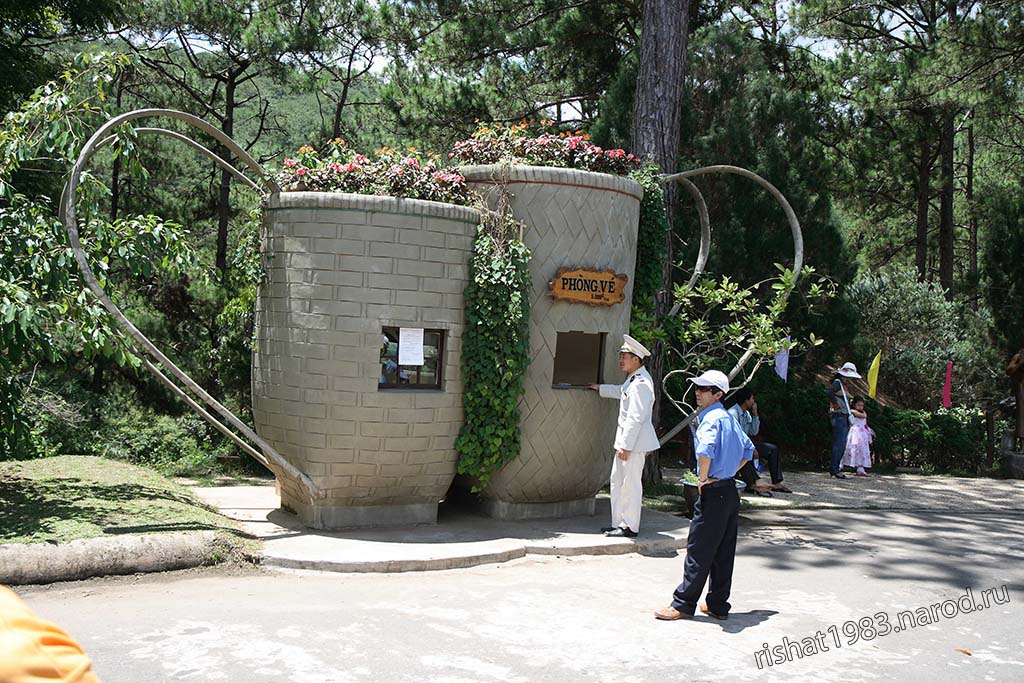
[(495, 347), (503, 60), (946, 440), (719, 322), (614, 123), (650, 242), (794, 416), (918, 331), (45, 314), (1003, 259), (169, 445), (750, 107), (22, 66), (231, 357)]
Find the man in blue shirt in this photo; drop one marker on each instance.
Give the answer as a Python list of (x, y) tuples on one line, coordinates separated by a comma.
[(743, 407), (722, 448)]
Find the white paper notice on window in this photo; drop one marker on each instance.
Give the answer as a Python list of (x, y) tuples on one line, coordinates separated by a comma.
[(410, 346)]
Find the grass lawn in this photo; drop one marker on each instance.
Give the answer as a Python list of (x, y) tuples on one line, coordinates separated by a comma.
[(70, 497)]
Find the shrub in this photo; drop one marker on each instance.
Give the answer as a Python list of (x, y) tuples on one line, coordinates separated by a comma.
[(159, 441), (918, 331), (947, 440), (794, 416)]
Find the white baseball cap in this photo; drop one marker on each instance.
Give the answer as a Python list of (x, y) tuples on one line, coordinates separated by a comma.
[(849, 370), (712, 378), (630, 345)]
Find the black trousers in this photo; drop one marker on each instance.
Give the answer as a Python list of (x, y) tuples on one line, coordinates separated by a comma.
[(710, 549), (768, 452)]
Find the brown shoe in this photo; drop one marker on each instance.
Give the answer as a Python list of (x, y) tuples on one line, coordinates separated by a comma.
[(671, 614), (705, 610)]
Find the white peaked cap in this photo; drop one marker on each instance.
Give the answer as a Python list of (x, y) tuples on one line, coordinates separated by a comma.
[(712, 378), (849, 370), (630, 345)]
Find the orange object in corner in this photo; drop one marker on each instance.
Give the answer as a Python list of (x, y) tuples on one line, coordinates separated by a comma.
[(33, 650)]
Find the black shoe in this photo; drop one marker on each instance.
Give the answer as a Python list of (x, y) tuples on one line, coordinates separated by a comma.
[(606, 529), (621, 532), (840, 475)]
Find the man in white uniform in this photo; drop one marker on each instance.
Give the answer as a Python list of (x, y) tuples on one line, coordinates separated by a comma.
[(634, 438)]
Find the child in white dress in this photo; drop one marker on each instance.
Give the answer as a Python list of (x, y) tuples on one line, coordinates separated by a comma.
[(858, 441)]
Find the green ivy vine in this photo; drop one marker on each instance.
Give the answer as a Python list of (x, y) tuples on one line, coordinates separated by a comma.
[(495, 346), (650, 252), (650, 242)]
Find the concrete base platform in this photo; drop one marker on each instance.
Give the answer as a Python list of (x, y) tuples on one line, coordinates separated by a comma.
[(349, 517), (500, 509), (462, 537)]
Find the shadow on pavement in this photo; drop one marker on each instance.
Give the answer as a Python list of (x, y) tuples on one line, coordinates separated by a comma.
[(891, 545)]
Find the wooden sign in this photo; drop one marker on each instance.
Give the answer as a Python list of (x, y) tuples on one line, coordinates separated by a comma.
[(586, 286)]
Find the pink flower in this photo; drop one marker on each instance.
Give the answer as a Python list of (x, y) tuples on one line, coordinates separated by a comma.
[(300, 171), (290, 163)]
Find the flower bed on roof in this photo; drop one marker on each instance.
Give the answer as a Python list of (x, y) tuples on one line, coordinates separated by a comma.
[(416, 175), (523, 144), (410, 174)]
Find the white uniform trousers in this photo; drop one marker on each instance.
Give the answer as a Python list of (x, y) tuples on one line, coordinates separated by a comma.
[(627, 489)]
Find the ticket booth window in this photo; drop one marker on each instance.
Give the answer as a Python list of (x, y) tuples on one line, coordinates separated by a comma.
[(579, 359), (426, 376)]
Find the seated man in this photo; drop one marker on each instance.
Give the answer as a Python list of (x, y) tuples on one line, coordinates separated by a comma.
[(743, 408)]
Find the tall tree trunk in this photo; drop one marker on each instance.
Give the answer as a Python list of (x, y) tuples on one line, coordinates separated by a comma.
[(659, 87), (115, 209), (972, 218), (923, 196), (655, 136), (336, 127), (339, 107), (224, 200), (946, 144), (115, 173)]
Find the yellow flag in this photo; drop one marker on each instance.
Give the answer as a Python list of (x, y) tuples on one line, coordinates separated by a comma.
[(873, 375)]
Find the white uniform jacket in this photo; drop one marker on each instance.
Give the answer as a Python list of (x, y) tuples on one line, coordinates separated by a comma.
[(636, 404)]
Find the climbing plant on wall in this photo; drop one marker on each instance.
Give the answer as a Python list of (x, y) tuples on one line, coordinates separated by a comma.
[(650, 239), (495, 346)]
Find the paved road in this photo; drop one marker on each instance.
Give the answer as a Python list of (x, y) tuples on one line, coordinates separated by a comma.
[(581, 619)]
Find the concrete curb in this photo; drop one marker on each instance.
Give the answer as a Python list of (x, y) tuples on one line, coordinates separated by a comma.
[(85, 558), (392, 566), (459, 556)]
